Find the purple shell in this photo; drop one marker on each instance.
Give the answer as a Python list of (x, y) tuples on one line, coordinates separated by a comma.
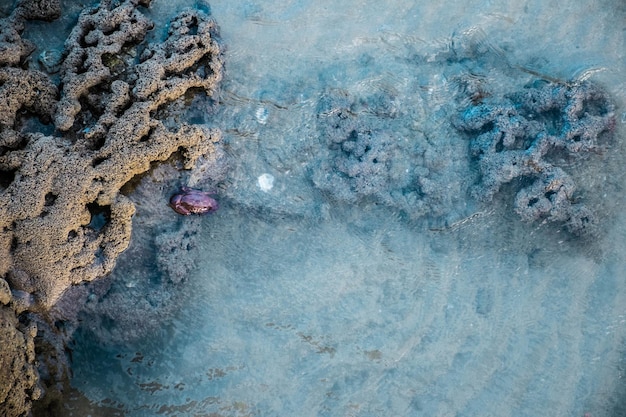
[(190, 201)]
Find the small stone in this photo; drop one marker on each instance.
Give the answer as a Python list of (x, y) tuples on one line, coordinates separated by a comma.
[(265, 182)]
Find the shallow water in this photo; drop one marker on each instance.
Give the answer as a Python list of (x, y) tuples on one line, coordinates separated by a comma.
[(304, 303)]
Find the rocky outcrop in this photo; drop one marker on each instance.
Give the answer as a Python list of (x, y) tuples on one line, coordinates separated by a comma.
[(64, 220), (18, 374), (526, 138), (370, 154), (67, 150)]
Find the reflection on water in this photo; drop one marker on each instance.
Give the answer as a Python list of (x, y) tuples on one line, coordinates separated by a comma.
[(395, 294)]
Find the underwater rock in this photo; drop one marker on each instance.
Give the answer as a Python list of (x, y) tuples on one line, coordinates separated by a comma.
[(175, 250), (63, 219), (123, 308), (38, 9), (371, 156), (524, 137)]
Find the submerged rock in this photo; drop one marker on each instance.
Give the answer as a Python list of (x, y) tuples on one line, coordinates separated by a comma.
[(525, 137), (372, 155)]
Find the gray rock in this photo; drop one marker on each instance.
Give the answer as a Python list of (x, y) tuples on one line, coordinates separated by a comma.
[(523, 137)]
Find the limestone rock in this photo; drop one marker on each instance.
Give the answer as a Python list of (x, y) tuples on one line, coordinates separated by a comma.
[(17, 369), (523, 136), (66, 152)]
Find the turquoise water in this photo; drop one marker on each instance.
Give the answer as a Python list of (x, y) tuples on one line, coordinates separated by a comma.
[(302, 297)]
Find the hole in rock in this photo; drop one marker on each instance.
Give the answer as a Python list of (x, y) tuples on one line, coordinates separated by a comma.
[(526, 143), (98, 160), (29, 120), (549, 194), (553, 121), (595, 106), (487, 127), (7, 177), (114, 62), (193, 27), (499, 145), (522, 182), (49, 198), (147, 136), (96, 143), (82, 67), (112, 30), (188, 48), (100, 215)]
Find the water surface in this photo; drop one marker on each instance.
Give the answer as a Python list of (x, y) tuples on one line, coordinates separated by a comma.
[(306, 303)]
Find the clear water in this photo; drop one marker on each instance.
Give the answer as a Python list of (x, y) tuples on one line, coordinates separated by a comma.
[(302, 305)]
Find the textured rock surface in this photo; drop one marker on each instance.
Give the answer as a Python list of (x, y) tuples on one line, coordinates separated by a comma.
[(18, 374), (371, 155), (124, 308), (63, 220), (525, 138), (13, 48)]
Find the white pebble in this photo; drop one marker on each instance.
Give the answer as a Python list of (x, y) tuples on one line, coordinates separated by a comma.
[(265, 182), (261, 115)]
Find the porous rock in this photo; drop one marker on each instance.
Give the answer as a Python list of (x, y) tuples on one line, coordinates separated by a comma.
[(38, 9), (18, 374), (371, 156), (173, 252), (93, 48), (13, 48), (524, 137), (5, 292), (63, 187), (63, 219), (123, 308)]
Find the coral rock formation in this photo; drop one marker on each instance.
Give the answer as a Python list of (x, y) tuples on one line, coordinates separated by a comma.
[(525, 136), (371, 156), (63, 219), (13, 48), (61, 186), (18, 374)]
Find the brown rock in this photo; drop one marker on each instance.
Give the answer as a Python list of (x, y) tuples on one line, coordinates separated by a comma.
[(17, 370), (63, 219)]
